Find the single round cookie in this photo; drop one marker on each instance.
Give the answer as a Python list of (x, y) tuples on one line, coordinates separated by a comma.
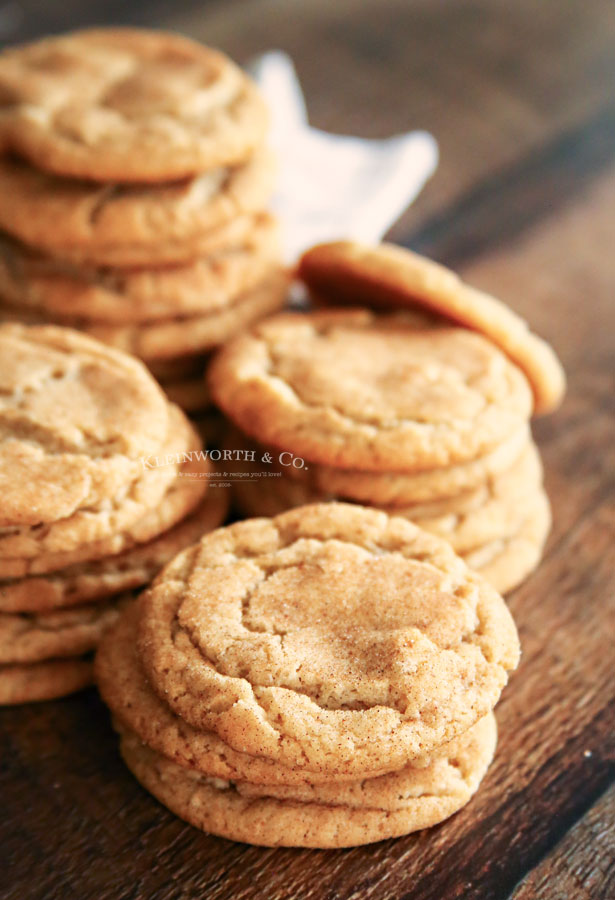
[(75, 418), (333, 637), (111, 296), (127, 224), (112, 515), (325, 816), (505, 563), (391, 276), (46, 680), (355, 390), (34, 637), (100, 578), (123, 104)]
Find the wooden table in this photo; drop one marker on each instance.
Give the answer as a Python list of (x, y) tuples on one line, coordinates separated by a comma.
[(519, 95)]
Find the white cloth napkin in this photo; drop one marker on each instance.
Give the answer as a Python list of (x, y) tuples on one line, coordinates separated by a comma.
[(332, 186)]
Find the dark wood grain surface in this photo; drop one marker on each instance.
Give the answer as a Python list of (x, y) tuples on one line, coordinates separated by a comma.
[(520, 99)]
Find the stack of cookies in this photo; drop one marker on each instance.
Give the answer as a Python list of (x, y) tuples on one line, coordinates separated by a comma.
[(325, 678), (132, 194), (102, 482), (405, 410)]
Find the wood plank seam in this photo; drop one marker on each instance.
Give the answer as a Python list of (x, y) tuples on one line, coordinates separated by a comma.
[(572, 159)]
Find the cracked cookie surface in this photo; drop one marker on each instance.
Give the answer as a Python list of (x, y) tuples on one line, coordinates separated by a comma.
[(352, 389), (332, 637), (75, 418), (96, 579), (29, 548), (124, 104), (137, 708)]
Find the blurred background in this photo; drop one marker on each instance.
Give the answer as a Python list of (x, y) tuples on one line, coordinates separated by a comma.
[(518, 95)]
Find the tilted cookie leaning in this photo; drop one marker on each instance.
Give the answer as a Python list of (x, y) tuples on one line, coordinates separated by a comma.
[(387, 276)]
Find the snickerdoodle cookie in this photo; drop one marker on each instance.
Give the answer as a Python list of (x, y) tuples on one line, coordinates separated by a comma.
[(123, 104), (138, 709), (356, 390), (104, 481), (75, 418), (333, 638), (112, 514)]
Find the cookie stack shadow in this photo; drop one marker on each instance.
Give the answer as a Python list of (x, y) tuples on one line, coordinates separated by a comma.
[(133, 192), (325, 678), (102, 481), (419, 405)]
